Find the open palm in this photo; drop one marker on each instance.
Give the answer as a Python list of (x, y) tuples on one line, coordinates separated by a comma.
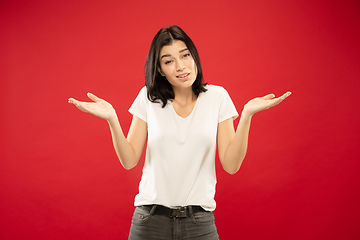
[(261, 103), (98, 107)]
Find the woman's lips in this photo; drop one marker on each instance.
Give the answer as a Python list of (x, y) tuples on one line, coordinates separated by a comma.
[(183, 76)]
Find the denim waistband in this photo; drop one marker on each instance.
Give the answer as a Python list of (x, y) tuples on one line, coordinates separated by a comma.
[(177, 212)]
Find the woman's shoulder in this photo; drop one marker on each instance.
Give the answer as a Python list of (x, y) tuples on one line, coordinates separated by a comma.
[(143, 90), (142, 93), (215, 89)]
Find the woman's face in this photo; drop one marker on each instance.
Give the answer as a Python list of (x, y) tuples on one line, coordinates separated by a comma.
[(177, 65)]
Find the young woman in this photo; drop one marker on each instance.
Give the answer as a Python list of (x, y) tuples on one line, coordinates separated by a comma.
[(183, 120)]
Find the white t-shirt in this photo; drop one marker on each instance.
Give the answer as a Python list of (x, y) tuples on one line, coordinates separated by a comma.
[(179, 167)]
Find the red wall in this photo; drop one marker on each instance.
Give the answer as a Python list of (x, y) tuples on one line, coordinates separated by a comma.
[(59, 175)]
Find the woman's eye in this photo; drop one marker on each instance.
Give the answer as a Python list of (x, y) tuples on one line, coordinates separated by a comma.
[(167, 62), (187, 55)]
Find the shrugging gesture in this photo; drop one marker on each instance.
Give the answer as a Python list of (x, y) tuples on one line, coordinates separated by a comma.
[(174, 73)]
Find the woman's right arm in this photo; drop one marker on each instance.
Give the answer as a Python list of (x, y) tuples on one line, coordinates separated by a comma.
[(128, 149)]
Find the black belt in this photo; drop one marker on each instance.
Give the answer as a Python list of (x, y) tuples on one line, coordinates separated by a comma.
[(177, 212)]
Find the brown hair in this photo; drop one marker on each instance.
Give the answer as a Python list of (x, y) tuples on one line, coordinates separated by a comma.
[(158, 87)]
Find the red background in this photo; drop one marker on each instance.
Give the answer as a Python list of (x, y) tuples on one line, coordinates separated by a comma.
[(59, 175)]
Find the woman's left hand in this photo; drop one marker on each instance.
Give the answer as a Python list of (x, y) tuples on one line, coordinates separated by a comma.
[(261, 103)]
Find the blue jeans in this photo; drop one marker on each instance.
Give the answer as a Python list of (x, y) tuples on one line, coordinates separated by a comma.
[(147, 225)]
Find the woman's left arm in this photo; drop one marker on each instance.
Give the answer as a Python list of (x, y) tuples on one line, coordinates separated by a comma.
[(232, 146)]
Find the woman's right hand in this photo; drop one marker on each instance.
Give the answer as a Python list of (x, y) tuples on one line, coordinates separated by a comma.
[(99, 107)]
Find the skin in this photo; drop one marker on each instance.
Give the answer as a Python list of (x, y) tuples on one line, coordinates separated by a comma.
[(178, 66)]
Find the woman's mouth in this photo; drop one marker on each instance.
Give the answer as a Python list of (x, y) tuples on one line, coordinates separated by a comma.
[(183, 76)]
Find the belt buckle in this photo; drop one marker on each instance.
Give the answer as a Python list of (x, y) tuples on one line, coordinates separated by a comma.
[(178, 212)]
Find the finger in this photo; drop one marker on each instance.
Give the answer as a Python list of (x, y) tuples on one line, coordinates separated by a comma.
[(72, 101), (93, 97), (272, 96), (269, 96), (278, 100), (285, 95), (80, 105)]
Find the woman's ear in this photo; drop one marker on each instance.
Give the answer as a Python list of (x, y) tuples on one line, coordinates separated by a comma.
[(161, 72)]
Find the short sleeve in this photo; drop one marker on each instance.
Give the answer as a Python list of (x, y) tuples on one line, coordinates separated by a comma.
[(227, 108), (139, 106)]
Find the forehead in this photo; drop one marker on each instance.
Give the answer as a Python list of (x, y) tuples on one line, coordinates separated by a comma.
[(173, 49)]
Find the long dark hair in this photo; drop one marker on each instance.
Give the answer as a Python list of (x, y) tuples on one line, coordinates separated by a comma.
[(158, 87)]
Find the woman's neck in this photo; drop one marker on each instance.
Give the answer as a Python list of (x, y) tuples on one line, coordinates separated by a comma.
[(184, 96)]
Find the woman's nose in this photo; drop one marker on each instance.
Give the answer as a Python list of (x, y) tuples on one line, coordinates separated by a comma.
[(180, 66)]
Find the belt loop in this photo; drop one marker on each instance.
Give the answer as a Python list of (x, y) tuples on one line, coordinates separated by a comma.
[(152, 209), (192, 213)]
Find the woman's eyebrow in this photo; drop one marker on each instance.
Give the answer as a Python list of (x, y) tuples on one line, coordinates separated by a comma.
[(185, 49), (169, 55), (165, 55)]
